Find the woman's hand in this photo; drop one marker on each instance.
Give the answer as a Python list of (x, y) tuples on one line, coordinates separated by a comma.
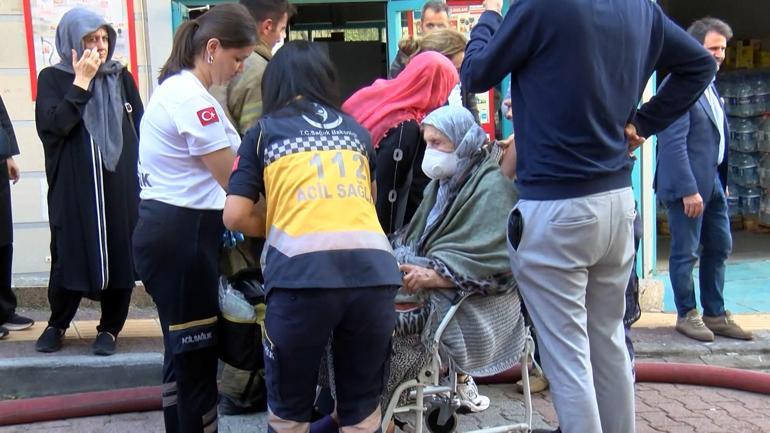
[(417, 277), (86, 67), (13, 170)]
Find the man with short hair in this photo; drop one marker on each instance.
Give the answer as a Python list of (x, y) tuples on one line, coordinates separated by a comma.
[(690, 180), (244, 391), (578, 69), (242, 98), (435, 16)]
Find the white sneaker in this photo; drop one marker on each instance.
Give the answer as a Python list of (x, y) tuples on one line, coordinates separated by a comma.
[(468, 393)]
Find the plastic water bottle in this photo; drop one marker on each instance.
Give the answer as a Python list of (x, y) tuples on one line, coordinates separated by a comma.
[(733, 202), (764, 208), (743, 134), (747, 98), (726, 87), (751, 201), (761, 90), (763, 135), (766, 76), (764, 171), (743, 169), (745, 103)]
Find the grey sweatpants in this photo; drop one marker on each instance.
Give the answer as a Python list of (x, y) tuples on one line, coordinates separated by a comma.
[(572, 265)]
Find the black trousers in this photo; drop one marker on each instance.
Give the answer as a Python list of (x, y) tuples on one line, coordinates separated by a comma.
[(114, 302), (298, 326), (7, 298), (176, 252)]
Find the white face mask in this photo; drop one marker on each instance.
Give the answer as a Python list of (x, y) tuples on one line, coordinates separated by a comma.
[(439, 165)]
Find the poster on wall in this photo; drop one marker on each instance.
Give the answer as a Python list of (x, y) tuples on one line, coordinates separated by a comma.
[(42, 16), (463, 16)]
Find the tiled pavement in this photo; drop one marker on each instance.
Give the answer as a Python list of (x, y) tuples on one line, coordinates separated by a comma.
[(665, 408), (660, 408)]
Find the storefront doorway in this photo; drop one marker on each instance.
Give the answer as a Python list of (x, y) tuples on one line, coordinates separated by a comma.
[(744, 84)]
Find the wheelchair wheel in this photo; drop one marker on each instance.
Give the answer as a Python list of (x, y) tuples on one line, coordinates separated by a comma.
[(431, 419)]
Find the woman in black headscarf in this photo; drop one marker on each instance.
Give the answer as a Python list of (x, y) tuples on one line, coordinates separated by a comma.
[(87, 116)]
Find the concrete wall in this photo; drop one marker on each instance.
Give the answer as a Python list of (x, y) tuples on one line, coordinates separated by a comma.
[(31, 245)]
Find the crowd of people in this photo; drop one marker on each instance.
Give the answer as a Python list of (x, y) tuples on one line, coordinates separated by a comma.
[(377, 211)]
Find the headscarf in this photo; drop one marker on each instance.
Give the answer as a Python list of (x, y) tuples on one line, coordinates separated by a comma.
[(458, 124), (424, 85), (103, 115)]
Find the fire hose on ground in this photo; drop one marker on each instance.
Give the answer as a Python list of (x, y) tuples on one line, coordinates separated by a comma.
[(143, 399)]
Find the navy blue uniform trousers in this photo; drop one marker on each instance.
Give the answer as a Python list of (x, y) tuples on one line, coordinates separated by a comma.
[(299, 324), (176, 251)]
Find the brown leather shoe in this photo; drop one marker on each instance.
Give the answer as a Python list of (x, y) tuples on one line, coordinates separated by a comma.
[(726, 327), (692, 326)]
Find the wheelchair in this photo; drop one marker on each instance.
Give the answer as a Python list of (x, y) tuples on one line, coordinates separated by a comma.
[(434, 405)]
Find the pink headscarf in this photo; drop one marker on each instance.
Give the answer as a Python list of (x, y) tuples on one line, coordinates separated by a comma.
[(423, 86)]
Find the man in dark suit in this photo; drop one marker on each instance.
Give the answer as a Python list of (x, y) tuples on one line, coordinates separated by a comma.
[(690, 179)]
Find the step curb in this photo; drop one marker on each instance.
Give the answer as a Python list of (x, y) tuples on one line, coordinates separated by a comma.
[(51, 375)]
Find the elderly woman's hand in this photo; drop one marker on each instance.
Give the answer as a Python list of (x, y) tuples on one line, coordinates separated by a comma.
[(417, 277), (86, 67), (505, 144)]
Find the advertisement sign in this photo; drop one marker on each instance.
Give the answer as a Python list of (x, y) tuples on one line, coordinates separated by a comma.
[(463, 16)]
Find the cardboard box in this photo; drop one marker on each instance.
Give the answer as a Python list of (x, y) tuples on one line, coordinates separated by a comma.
[(764, 59), (747, 53), (730, 57)]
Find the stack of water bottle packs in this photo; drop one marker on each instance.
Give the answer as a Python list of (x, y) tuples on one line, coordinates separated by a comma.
[(746, 96)]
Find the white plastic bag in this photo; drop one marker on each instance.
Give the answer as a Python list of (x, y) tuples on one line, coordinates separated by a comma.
[(233, 304)]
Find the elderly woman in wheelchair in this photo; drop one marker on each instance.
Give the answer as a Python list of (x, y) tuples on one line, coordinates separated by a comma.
[(459, 307)]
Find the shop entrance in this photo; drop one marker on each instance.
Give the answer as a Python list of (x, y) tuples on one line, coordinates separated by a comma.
[(744, 84), (353, 35)]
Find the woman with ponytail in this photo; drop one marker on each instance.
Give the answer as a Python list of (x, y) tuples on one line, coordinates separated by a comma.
[(186, 154)]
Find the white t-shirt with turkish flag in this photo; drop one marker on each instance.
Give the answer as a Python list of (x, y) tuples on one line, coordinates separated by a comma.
[(183, 122)]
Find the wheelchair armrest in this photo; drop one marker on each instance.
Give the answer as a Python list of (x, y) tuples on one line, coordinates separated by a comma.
[(455, 305), (459, 297)]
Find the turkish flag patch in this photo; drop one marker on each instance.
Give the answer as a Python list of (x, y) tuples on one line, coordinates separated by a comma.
[(207, 116)]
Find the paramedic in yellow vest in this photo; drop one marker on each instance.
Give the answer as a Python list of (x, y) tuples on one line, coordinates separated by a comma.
[(330, 274), (243, 391)]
